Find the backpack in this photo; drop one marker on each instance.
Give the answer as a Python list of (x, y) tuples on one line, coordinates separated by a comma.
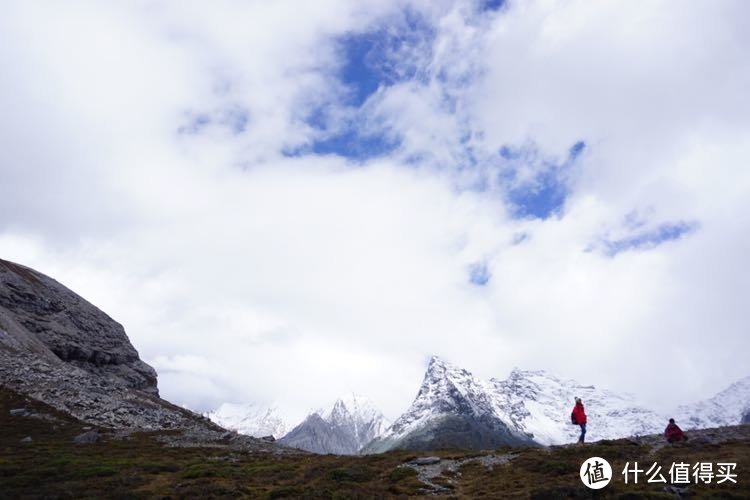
[(573, 418)]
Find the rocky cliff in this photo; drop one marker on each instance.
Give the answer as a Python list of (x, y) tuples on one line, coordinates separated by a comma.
[(58, 348)]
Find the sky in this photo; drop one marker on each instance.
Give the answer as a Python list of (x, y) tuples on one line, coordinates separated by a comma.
[(284, 202)]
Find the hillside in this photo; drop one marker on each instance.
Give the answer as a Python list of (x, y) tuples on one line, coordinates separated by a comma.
[(144, 465), (59, 349)]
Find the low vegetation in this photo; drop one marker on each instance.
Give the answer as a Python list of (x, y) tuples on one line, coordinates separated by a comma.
[(140, 466)]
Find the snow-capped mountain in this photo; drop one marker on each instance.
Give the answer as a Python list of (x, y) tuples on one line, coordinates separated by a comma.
[(729, 407), (343, 429), (455, 409), (540, 404), (249, 419), (452, 409)]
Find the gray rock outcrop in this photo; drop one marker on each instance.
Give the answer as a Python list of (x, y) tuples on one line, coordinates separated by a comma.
[(88, 437), (57, 348), (41, 317)]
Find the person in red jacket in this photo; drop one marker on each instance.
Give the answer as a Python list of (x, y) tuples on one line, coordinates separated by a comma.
[(579, 418), (673, 433)]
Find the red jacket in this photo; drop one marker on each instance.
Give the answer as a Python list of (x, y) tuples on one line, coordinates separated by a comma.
[(673, 433), (579, 414)]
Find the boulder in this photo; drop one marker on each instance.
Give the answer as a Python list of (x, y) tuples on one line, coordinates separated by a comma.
[(88, 437)]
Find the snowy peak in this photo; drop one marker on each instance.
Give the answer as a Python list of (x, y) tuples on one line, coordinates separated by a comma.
[(451, 409), (540, 403), (249, 419), (446, 388), (356, 414), (353, 406), (343, 429), (438, 368), (454, 408), (729, 407)]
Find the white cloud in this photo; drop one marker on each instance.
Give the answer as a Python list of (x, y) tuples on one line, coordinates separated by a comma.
[(242, 274)]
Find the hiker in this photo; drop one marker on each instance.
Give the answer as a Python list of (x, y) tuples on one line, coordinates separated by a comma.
[(578, 417), (673, 433)]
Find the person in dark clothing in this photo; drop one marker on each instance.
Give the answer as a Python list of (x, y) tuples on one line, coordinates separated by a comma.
[(673, 433), (579, 418)]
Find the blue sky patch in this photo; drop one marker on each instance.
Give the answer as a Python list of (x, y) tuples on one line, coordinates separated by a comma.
[(353, 145), (545, 197), (485, 5), (543, 194), (350, 144), (646, 240), (389, 53), (384, 56), (358, 72), (479, 274)]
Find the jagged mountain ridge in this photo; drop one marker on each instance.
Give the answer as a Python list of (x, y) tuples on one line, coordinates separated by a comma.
[(455, 409), (452, 409), (540, 404), (250, 419), (729, 407), (344, 429)]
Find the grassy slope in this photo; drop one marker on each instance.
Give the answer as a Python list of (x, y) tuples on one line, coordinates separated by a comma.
[(52, 466)]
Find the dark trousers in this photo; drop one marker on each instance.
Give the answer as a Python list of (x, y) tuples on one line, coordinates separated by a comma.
[(583, 433)]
